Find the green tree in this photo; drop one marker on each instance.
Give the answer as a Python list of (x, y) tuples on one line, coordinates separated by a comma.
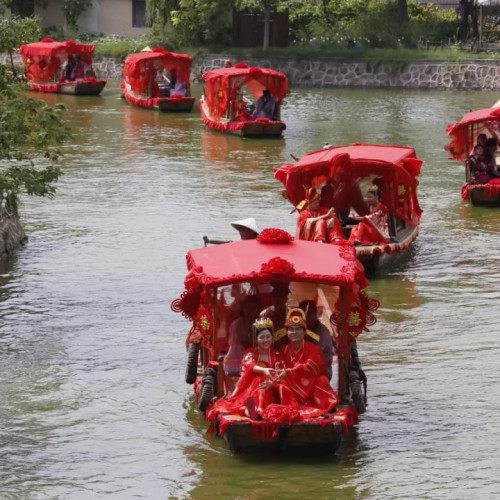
[(190, 22), (72, 10), (14, 31), (31, 133)]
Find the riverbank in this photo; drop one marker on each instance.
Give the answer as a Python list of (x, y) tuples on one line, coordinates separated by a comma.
[(479, 74)]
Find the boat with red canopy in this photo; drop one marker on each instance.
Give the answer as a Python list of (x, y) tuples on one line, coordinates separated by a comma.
[(61, 67), (158, 79), (227, 106), (463, 137), (221, 280), (345, 178)]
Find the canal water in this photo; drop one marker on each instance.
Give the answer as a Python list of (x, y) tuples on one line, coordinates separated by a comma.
[(93, 402)]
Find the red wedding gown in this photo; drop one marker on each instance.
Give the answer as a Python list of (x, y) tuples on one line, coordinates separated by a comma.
[(373, 229), (306, 376), (248, 386), (325, 230)]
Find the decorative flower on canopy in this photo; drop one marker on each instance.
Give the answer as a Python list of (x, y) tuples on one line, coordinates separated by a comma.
[(277, 265), (274, 235)]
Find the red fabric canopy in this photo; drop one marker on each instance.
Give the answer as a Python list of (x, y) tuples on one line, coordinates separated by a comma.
[(220, 84), (43, 59), (48, 47), (141, 68), (253, 261), (272, 259), (396, 169), (464, 133)]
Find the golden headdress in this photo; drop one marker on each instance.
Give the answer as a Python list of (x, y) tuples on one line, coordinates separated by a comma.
[(263, 324)]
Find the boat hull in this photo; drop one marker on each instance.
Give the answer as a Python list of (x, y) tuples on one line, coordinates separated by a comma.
[(164, 104), (73, 88), (386, 255), (479, 197), (300, 436), (256, 128)]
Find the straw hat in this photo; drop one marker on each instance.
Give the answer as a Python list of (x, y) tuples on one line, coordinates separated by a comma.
[(249, 223)]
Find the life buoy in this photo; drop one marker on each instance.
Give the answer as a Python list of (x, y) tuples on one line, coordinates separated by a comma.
[(192, 362), (358, 395), (207, 391)]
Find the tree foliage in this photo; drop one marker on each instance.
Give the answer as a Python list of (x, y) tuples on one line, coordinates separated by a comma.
[(31, 133), (190, 22), (72, 10)]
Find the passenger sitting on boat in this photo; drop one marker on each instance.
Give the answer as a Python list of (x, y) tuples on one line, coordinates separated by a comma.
[(239, 108), (180, 88), (481, 140), (317, 223), (305, 373), (373, 228), (257, 388), (266, 107), (490, 155), (478, 166), (240, 334), (80, 69), (173, 77), (69, 69), (325, 341)]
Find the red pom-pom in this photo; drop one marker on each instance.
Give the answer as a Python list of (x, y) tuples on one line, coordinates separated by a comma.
[(274, 235), (158, 49), (47, 40), (277, 265), (240, 65), (254, 70)]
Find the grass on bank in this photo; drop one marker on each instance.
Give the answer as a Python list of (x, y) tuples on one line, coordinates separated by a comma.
[(120, 47)]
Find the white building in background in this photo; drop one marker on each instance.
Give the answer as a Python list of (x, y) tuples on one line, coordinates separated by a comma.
[(120, 17)]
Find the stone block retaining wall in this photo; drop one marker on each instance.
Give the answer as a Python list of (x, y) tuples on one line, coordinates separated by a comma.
[(465, 75)]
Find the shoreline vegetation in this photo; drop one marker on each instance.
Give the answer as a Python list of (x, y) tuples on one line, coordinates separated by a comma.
[(118, 47)]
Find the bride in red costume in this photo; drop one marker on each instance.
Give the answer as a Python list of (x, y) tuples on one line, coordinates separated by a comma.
[(239, 106), (257, 388), (373, 228), (317, 223)]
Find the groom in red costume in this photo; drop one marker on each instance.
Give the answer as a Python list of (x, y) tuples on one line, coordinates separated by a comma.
[(305, 372)]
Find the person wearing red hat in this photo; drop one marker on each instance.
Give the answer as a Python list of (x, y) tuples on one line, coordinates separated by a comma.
[(306, 372), (316, 223)]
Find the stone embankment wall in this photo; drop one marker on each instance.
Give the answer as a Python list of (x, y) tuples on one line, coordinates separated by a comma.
[(446, 75)]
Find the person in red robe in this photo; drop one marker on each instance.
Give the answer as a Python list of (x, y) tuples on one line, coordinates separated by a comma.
[(306, 372), (317, 223), (239, 108), (257, 387), (373, 228)]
